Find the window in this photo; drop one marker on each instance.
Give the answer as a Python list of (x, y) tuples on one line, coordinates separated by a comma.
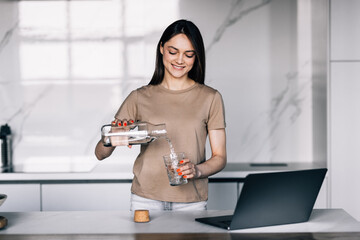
[(82, 41)]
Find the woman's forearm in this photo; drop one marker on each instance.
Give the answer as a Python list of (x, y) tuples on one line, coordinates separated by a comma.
[(214, 165), (217, 161)]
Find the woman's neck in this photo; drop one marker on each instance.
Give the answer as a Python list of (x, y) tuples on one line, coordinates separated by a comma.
[(177, 84)]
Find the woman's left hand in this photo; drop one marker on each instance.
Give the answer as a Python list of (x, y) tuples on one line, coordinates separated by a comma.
[(211, 166), (188, 170)]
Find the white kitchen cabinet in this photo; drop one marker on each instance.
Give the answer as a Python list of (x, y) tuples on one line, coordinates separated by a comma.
[(86, 196), (107, 196), (21, 197), (345, 31), (222, 196), (344, 88), (116, 196), (345, 137)]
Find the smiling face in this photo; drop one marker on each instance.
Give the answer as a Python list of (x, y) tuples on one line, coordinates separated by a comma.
[(178, 57)]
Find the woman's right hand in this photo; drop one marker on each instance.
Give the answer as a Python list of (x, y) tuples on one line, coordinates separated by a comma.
[(120, 140), (123, 122)]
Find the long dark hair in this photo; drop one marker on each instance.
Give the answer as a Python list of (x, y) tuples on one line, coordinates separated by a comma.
[(197, 73)]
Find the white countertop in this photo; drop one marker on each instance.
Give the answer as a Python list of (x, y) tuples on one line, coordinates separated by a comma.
[(121, 222), (103, 171)]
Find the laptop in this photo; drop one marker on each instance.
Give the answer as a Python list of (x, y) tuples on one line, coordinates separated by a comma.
[(273, 198)]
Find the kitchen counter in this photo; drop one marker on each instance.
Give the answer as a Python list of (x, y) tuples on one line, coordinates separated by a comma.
[(45, 191), (115, 224), (102, 172)]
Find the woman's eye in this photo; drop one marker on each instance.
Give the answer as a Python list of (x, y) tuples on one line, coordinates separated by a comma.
[(172, 53), (190, 56)]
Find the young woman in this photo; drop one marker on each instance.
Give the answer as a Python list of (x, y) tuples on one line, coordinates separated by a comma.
[(178, 97)]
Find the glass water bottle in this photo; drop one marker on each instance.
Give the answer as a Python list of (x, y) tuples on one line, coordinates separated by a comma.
[(135, 133)]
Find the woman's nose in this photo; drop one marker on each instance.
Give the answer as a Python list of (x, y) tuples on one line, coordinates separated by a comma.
[(180, 59)]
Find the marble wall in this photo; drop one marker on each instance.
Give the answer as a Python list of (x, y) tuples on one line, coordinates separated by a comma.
[(60, 80), (10, 98)]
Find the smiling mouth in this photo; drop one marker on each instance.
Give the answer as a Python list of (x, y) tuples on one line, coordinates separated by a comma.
[(178, 67)]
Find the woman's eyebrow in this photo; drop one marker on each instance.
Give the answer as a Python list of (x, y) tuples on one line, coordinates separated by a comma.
[(178, 49)]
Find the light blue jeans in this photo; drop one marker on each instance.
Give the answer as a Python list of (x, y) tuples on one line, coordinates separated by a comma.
[(138, 202)]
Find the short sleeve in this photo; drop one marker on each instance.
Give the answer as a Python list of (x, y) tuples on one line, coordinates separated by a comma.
[(217, 113), (128, 109)]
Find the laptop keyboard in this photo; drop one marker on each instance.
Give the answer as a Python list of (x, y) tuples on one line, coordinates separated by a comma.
[(226, 222)]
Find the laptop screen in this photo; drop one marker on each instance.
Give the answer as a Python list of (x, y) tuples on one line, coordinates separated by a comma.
[(274, 198)]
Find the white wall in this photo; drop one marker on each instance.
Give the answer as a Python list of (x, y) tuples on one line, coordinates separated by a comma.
[(344, 117)]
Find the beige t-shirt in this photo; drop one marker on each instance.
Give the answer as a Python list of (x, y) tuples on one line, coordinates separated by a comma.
[(188, 114)]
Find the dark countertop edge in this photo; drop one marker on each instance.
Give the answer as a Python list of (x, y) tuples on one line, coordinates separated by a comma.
[(71, 181), (189, 236), (64, 181)]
